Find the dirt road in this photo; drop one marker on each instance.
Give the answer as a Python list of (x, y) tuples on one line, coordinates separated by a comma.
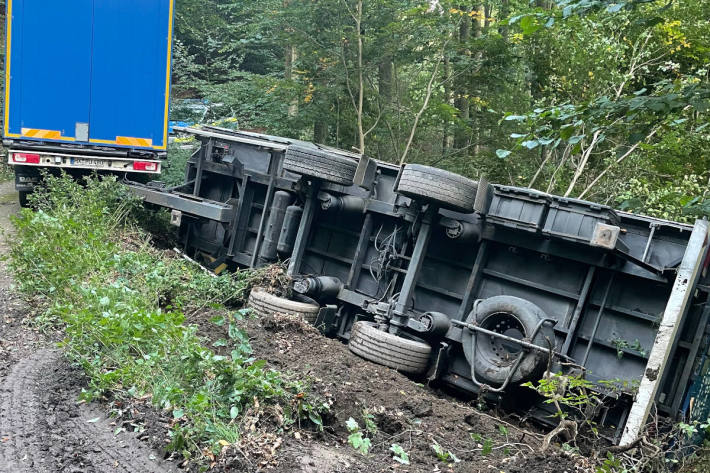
[(42, 426)]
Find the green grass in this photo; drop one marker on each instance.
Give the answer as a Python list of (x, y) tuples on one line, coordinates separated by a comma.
[(122, 307), (6, 172), (179, 151)]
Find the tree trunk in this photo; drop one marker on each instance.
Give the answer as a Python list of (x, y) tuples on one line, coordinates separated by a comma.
[(386, 72), (448, 139), (461, 100), (504, 12), (361, 82), (477, 25), (290, 57), (320, 131)]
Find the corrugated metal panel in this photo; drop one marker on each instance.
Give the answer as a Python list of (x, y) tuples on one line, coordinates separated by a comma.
[(49, 68), (130, 63), (101, 64)]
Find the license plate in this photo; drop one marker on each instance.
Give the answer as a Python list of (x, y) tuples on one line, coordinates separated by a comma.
[(92, 163)]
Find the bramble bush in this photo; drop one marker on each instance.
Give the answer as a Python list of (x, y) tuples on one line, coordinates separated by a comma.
[(122, 306)]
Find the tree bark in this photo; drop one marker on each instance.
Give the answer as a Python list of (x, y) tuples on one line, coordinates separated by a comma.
[(386, 72), (461, 100), (320, 131), (504, 12), (477, 24), (448, 139), (361, 82), (290, 57), (583, 163)]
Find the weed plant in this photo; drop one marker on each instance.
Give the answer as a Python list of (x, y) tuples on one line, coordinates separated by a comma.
[(122, 305)]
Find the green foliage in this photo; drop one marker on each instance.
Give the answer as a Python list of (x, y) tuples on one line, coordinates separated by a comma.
[(122, 306), (692, 429), (400, 455), (565, 391), (621, 345), (356, 439), (369, 420), (446, 456), (486, 444), (681, 200), (179, 151), (611, 464), (6, 171), (487, 447), (574, 97)]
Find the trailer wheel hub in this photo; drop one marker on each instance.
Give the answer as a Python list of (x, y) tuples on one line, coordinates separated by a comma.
[(503, 350)]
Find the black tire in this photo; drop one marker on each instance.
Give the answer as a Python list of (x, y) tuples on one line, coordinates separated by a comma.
[(402, 354), (23, 198), (263, 303), (443, 188), (321, 164), (495, 358)]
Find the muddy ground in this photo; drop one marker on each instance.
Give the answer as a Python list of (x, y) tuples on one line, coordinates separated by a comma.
[(43, 427)]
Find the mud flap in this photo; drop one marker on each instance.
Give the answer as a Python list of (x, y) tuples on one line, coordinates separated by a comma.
[(26, 178)]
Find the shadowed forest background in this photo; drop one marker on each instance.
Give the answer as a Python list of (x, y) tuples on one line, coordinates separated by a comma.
[(601, 99)]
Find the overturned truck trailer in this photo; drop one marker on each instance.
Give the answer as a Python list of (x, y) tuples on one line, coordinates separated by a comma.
[(475, 286)]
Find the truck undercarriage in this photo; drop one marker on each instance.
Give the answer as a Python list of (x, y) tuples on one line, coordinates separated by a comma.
[(476, 286)]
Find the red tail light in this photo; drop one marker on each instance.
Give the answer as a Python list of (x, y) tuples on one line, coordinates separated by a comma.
[(144, 166), (25, 158)]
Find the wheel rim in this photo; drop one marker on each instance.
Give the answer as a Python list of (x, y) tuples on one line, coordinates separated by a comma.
[(496, 350)]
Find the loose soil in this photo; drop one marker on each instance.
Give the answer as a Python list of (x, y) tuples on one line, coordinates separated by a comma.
[(405, 412)]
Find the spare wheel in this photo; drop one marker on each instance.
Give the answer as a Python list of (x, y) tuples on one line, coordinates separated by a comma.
[(495, 357)]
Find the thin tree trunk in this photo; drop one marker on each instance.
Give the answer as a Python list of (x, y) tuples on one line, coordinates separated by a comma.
[(583, 163), (547, 154), (461, 100), (290, 57), (565, 155), (618, 160), (361, 88), (429, 89), (386, 72), (448, 139), (320, 131), (504, 12), (477, 25)]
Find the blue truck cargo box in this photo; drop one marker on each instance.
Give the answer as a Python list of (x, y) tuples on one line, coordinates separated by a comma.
[(90, 72)]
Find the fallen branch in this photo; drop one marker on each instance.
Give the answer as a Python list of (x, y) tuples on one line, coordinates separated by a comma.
[(622, 448)]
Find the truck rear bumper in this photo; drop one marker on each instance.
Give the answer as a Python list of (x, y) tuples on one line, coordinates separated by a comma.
[(83, 161)]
